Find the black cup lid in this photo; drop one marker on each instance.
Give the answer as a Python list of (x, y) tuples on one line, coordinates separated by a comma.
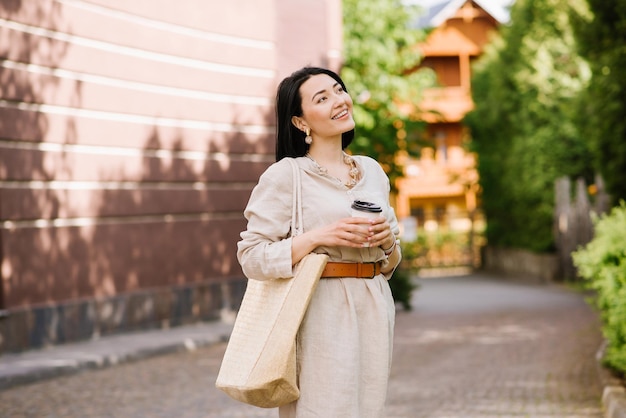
[(366, 206)]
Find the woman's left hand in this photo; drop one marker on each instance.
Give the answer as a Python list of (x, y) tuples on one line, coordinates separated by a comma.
[(381, 234)]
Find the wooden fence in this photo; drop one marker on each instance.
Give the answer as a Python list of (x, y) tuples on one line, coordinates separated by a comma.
[(573, 218)]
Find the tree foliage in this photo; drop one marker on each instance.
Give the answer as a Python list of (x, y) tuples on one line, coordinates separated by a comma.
[(602, 38), (380, 52), (523, 126)]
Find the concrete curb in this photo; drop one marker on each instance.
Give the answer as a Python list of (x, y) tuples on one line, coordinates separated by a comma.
[(614, 392), (31, 366)]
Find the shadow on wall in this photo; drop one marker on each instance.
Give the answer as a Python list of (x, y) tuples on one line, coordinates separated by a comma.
[(168, 258), (162, 249), (23, 127), (175, 262)]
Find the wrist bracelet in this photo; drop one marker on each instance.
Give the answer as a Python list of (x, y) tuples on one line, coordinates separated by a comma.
[(390, 250)]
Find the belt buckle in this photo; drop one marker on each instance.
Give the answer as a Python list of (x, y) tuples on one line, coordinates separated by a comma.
[(373, 263)]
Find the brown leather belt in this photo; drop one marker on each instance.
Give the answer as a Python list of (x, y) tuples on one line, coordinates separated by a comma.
[(359, 270)]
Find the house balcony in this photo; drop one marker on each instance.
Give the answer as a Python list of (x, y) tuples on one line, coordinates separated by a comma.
[(445, 104), (432, 176)]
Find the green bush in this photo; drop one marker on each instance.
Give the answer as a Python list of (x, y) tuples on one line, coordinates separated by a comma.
[(603, 263), (402, 287), (402, 284), (438, 249)]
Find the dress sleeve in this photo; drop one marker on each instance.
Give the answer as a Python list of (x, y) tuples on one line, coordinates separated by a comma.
[(264, 250), (391, 218), (393, 222)]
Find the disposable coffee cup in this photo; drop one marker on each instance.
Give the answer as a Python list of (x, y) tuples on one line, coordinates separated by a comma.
[(369, 210)]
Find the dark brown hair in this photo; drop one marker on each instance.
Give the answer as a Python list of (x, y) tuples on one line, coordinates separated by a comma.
[(289, 139)]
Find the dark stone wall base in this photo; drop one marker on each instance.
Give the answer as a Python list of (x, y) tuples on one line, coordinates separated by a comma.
[(521, 263), (79, 320)]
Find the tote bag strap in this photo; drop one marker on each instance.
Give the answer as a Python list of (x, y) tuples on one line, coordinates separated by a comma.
[(297, 226)]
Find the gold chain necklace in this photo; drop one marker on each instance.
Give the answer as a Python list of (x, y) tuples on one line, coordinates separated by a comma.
[(349, 161)]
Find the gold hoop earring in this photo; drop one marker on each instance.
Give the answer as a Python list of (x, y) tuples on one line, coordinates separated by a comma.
[(308, 139)]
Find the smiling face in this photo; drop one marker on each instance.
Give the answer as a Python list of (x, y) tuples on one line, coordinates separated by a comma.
[(326, 107)]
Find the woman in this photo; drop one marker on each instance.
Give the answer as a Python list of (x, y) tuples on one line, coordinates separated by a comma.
[(345, 341)]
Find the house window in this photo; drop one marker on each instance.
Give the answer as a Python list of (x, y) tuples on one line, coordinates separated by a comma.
[(448, 70), (418, 213), (442, 146), (440, 214)]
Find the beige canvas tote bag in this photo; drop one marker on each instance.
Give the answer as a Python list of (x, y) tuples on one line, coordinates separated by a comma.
[(259, 366)]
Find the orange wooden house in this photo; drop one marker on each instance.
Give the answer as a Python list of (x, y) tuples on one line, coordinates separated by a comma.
[(440, 189)]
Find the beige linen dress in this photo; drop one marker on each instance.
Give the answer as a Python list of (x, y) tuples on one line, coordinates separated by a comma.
[(345, 341)]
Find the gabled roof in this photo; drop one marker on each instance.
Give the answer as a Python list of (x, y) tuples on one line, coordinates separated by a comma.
[(438, 11)]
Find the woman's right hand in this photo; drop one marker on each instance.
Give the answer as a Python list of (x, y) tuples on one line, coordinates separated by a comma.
[(347, 232)]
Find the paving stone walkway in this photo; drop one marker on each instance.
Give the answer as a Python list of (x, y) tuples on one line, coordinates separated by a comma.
[(473, 347), (479, 348)]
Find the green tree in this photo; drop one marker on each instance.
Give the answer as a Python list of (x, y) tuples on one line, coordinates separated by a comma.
[(523, 127), (380, 56), (602, 38)]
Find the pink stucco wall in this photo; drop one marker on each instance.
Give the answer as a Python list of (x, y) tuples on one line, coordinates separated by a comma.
[(131, 134)]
